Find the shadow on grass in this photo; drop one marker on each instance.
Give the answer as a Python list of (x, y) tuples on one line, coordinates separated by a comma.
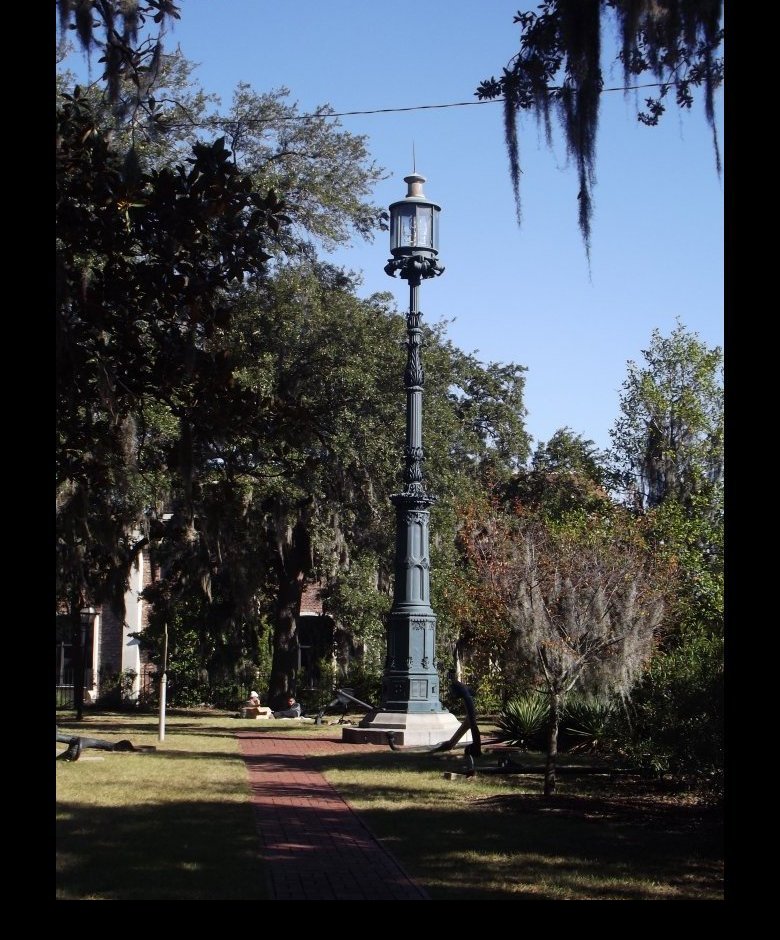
[(122, 726), (160, 752), (125, 728), (515, 845), (177, 851)]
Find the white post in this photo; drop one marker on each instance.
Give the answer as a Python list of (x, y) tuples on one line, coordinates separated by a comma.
[(163, 684)]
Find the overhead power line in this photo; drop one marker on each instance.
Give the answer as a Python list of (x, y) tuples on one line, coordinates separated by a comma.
[(463, 104), (418, 107)]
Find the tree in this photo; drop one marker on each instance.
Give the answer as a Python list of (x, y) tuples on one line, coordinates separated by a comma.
[(567, 475), (154, 379), (668, 439), (668, 452), (259, 444), (130, 48), (326, 172), (142, 259), (569, 452), (558, 68), (579, 606), (301, 491)]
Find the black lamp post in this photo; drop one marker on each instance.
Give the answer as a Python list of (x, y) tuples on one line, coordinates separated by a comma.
[(87, 618), (410, 683)]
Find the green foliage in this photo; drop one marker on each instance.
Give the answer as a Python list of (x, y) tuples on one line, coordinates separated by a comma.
[(328, 679), (223, 397), (326, 172), (358, 599), (142, 260), (116, 689), (588, 724), (694, 541), (364, 677), (567, 451), (668, 451), (558, 68), (522, 722), (676, 718), (491, 689), (668, 440)]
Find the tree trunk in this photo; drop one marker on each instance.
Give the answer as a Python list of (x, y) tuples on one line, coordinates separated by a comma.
[(293, 564), (552, 744), (284, 667)]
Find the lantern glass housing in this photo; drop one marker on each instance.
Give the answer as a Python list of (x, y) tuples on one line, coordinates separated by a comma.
[(414, 222)]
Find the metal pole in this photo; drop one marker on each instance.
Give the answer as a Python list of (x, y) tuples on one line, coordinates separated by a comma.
[(410, 707), (163, 685), (410, 682)]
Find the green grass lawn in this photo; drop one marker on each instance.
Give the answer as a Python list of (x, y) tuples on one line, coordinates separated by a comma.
[(176, 823)]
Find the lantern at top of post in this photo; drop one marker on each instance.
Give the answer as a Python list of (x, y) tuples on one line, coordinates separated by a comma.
[(414, 233), (414, 222)]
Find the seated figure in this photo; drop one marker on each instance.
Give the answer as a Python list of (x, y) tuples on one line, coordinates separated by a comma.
[(253, 709), (293, 709)]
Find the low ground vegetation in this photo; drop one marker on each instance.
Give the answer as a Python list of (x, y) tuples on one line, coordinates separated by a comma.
[(176, 823)]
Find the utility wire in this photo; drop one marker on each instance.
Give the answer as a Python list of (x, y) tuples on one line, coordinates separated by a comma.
[(419, 107)]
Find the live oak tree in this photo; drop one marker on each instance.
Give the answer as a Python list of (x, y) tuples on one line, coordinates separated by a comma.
[(317, 464), (558, 72), (223, 396), (567, 475), (142, 259), (151, 252)]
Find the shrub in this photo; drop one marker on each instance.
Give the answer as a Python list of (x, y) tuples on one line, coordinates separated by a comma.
[(675, 722), (365, 682), (588, 724), (522, 721)]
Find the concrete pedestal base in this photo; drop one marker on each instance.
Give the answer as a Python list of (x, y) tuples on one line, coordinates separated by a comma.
[(409, 729)]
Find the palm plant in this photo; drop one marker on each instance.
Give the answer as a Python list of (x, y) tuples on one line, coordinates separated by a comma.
[(522, 721), (589, 722)]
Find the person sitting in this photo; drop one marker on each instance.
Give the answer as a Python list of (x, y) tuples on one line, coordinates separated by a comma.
[(293, 709), (253, 709)]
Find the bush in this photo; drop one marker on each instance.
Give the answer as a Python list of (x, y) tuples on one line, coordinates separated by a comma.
[(675, 721), (588, 725), (365, 682), (523, 721), (116, 689), (489, 694)]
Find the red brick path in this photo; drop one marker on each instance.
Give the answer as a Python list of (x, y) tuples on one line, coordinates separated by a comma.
[(316, 847)]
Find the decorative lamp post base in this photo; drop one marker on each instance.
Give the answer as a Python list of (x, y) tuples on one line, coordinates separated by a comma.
[(409, 729)]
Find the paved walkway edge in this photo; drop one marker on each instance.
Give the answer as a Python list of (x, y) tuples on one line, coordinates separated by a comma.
[(316, 846)]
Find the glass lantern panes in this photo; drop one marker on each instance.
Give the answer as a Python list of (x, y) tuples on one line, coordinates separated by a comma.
[(414, 226)]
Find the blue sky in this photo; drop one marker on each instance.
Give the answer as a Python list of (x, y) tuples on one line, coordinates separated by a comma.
[(515, 294)]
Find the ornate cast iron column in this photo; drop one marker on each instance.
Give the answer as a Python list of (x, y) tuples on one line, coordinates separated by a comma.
[(410, 683)]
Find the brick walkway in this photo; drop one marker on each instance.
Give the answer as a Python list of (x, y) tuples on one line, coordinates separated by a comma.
[(316, 847)]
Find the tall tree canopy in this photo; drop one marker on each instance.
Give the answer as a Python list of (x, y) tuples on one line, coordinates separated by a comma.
[(668, 438), (222, 391), (129, 36), (559, 69)]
